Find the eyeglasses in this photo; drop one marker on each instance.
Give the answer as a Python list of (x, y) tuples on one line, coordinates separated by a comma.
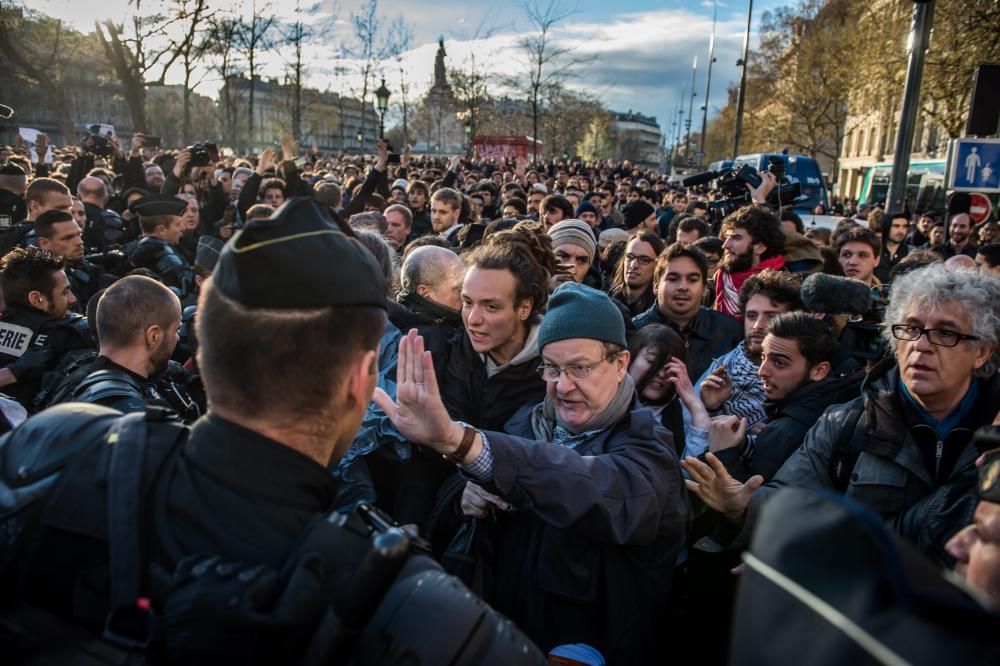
[(643, 261), (936, 336), (551, 373)]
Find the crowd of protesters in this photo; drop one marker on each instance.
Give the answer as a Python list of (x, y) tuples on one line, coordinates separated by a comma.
[(618, 377)]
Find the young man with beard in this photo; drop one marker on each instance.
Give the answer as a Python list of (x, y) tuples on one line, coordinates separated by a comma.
[(633, 281), (491, 369), (679, 286), (137, 324), (731, 386), (895, 228), (959, 232), (446, 214), (795, 363), (754, 242)]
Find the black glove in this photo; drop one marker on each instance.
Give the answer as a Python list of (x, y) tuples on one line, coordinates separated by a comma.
[(32, 364)]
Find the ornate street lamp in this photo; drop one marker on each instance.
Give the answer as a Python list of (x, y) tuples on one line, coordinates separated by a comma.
[(382, 102)]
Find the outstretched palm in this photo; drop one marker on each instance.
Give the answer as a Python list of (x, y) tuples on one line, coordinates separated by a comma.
[(717, 488)]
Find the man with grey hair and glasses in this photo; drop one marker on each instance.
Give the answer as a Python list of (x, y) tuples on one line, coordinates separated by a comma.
[(904, 447)]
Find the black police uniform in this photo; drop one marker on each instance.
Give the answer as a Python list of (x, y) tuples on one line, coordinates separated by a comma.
[(232, 493), (158, 256), (104, 382), (104, 229), (85, 280), (28, 331)]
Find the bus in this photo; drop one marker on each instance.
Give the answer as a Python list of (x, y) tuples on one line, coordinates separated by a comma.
[(924, 185), (800, 167)]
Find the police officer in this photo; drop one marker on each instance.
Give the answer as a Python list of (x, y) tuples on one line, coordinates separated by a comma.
[(59, 234), (36, 329), (13, 182), (137, 322), (159, 218), (289, 368)]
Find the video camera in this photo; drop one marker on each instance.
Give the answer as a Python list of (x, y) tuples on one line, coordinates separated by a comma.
[(203, 154), (864, 306), (98, 145), (732, 185)]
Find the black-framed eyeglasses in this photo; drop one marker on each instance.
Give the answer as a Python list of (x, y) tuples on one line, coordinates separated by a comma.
[(551, 373), (936, 336), (643, 261)]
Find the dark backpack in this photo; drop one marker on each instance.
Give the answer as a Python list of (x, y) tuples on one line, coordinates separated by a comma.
[(826, 582)]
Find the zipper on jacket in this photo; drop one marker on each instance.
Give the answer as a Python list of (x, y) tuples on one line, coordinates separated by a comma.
[(937, 459)]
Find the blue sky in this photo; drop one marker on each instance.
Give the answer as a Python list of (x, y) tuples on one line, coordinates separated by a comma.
[(641, 50)]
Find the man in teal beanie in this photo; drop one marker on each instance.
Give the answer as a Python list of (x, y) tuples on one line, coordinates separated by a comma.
[(591, 503)]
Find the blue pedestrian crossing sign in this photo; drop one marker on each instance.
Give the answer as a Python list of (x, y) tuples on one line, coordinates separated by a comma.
[(975, 165)]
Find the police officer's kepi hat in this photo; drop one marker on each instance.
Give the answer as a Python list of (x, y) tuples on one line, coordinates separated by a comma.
[(159, 204), (207, 254), (298, 258), (989, 477)]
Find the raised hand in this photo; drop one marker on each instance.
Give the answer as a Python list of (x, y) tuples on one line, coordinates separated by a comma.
[(716, 388), (265, 161), (382, 162), (183, 159), (720, 491)]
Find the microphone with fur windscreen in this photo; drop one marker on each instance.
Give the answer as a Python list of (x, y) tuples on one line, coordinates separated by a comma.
[(832, 294)]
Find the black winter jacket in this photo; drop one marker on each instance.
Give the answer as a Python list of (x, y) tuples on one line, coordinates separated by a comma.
[(487, 402)]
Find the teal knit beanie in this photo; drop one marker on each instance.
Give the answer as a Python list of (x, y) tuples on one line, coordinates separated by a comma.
[(578, 311)]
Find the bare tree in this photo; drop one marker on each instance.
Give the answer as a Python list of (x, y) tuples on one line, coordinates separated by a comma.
[(41, 48), (193, 18), (223, 38), (371, 49), (139, 55), (547, 63), (400, 41), (254, 37)]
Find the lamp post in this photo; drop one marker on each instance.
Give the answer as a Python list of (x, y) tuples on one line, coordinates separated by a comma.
[(468, 139), (741, 99), (382, 100), (361, 141), (920, 34)]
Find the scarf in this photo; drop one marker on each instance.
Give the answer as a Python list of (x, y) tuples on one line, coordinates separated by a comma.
[(545, 424), (440, 314), (727, 286)]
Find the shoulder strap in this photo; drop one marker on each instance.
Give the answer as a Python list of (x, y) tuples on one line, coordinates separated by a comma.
[(131, 621), (107, 384), (128, 441)]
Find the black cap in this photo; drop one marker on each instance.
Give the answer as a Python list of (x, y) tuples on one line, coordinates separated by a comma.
[(159, 204), (298, 258), (207, 254), (11, 169), (989, 477)]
